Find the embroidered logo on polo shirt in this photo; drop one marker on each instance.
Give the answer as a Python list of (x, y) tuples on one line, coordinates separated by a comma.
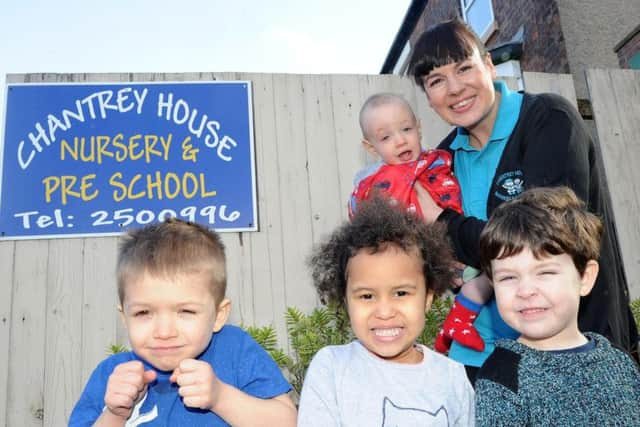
[(509, 185)]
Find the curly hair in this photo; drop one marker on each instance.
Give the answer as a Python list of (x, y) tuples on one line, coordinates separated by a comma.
[(375, 227), (548, 221)]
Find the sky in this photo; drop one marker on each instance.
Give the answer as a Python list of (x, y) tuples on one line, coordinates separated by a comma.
[(296, 36), (270, 36)]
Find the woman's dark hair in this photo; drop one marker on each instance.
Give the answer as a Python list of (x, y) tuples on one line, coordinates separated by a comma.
[(376, 227), (442, 44)]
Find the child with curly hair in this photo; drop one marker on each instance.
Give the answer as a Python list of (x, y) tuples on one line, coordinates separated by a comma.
[(385, 267)]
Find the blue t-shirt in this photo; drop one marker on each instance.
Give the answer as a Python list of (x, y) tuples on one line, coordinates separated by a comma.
[(236, 359), (475, 170)]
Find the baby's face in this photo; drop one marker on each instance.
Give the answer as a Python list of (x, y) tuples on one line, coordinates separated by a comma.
[(170, 319), (386, 300), (393, 133)]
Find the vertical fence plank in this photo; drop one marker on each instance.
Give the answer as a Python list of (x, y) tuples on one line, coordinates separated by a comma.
[(266, 246), (6, 286), (295, 209), (324, 173), (615, 99), (99, 302), (346, 101), (25, 403), (64, 330)]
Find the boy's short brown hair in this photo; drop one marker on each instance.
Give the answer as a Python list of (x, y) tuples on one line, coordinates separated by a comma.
[(170, 248), (548, 221), (376, 226)]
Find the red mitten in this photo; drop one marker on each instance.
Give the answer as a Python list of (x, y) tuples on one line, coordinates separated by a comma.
[(458, 327)]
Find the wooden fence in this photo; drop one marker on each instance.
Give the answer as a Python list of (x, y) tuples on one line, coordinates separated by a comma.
[(57, 297)]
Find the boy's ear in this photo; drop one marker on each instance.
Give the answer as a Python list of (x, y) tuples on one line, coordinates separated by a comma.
[(369, 147), (429, 300), (589, 276), (222, 314)]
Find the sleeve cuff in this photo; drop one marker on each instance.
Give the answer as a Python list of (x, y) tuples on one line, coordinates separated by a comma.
[(447, 215), (467, 303)]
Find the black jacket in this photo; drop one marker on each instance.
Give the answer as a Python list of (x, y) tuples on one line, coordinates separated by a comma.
[(551, 146)]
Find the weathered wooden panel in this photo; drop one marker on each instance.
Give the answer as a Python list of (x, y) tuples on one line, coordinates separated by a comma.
[(324, 173), (62, 378), (25, 396), (615, 99), (346, 99), (562, 84), (99, 325), (267, 273), (6, 288), (293, 185)]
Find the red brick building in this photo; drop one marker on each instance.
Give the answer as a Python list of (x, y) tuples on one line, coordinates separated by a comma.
[(552, 36)]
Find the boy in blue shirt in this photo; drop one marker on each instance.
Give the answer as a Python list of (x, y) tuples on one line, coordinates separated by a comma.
[(186, 367), (540, 249)]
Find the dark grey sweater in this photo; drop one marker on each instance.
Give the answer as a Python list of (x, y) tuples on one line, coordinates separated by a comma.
[(520, 386)]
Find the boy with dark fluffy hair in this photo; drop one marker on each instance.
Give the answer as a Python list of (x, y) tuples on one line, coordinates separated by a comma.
[(541, 251), (384, 267), (186, 366)]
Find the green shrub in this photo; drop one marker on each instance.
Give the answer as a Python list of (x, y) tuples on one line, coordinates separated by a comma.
[(635, 309), (116, 348)]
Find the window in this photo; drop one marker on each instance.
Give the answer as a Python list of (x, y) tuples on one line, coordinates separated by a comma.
[(634, 62), (402, 63), (479, 15)]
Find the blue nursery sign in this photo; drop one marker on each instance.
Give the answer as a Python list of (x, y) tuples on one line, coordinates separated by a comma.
[(96, 159)]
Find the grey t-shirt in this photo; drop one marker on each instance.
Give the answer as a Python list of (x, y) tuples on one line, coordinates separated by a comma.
[(346, 385)]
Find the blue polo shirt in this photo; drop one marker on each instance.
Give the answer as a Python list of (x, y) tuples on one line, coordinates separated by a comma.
[(475, 170)]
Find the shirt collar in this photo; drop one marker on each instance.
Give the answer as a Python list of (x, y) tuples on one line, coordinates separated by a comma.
[(508, 111), (506, 118)]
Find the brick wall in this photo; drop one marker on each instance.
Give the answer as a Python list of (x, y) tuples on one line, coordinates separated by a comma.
[(544, 45), (435, 11)]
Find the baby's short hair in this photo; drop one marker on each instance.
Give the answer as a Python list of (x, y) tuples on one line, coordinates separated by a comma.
[(375, 227), (378, 99), (171, 248), (548, 221)]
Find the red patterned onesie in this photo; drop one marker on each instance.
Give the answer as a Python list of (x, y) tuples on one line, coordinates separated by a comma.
[(432, 169)]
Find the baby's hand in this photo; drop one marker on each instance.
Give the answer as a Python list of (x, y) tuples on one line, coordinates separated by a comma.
[(127, 385), (198, 384)]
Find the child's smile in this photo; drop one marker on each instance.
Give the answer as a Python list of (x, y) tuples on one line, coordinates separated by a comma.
[(387, 332)]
